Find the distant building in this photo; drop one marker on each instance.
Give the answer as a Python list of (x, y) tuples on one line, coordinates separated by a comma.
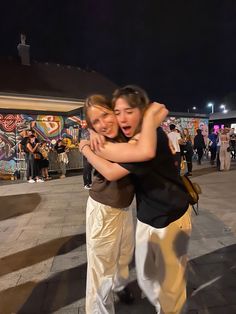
[(47, 98), (220, 120)]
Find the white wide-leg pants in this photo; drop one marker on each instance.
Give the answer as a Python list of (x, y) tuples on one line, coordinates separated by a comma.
[(161, 258), (110, 246)]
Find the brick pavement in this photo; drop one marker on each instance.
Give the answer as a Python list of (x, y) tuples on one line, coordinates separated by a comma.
[(43, 258)]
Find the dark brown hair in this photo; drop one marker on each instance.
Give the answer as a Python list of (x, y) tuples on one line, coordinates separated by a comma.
[(134, 95)]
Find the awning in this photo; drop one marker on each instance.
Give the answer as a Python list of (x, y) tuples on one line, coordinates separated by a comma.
[(30, 103)]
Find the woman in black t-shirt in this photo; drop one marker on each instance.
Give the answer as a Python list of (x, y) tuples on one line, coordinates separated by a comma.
[(163, 225), (34, 157)]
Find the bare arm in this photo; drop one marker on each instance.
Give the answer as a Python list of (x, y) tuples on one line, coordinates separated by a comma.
[(20, 147), (111, 171), (96, 140), (31, 149), (171, 146), (145, 148)]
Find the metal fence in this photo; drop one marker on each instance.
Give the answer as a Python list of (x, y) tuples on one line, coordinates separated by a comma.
[(74, 156)]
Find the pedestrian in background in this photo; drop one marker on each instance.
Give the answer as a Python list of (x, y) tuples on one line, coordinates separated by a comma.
[(199, 145), (212, 146), (87, 167), (44, 162), (187, 150), (232, 144), (61, 150), (175, 139), (87, 174), (34, 157), (225, 154), (24, 152)]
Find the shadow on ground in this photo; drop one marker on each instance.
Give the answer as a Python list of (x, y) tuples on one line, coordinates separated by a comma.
[(39, 253), (16, 205), (47, 296), (211, 169), (212, 282), (211, 289), (203, 171)]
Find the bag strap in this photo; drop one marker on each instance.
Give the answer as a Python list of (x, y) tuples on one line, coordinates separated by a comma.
[(195, 209)]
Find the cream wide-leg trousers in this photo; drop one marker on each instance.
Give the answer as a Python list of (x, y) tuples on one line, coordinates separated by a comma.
[(110, 246), (161, 258), (225, 157)]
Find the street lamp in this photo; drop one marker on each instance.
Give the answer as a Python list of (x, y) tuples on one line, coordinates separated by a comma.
[(212, 106), (193, 108), (224, 108)]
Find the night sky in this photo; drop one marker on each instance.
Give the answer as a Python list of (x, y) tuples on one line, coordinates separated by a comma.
[(183, 52)]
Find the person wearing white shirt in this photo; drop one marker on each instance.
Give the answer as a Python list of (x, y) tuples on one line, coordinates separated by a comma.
[(175, 139)]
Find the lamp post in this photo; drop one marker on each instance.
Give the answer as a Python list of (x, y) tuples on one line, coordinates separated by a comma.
[(212, 106), (193, 108), (224, 108)]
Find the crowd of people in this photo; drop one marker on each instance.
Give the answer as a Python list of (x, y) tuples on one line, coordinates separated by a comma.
[(219, 148), (36, 154)]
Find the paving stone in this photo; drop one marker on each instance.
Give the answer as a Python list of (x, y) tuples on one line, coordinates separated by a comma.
[(218, 310), (208, 297), (49, 233), (204, 246), (70, 230), (64, 288), (74, 307), (65, 310), (68, 261), (26, 298), (49, 270), (36, 273), (8, 281), (16, 246)]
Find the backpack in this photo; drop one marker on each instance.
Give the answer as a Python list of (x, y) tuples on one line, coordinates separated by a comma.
[(193, 190)]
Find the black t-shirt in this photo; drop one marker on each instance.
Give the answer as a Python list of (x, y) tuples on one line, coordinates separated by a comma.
[(160, 193), (60, 149), (24, 143)]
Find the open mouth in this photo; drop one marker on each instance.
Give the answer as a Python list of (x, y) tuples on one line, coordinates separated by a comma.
[(126, 129)]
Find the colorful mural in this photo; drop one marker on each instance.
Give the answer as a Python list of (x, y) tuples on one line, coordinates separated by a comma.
[(192, 124), (47, 127), (50, 128)]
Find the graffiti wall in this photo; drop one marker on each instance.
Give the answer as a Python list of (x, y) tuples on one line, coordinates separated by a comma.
[(192, 124), (50, 128), (47, 127)]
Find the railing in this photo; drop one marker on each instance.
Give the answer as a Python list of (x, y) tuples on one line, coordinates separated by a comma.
[(74, 156)]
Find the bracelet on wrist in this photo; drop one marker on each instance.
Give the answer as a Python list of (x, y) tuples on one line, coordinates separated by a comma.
[(81, 150)]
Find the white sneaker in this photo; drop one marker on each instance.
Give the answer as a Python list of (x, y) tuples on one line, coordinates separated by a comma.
[(87, 187), (31, 181), (39, 180)]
